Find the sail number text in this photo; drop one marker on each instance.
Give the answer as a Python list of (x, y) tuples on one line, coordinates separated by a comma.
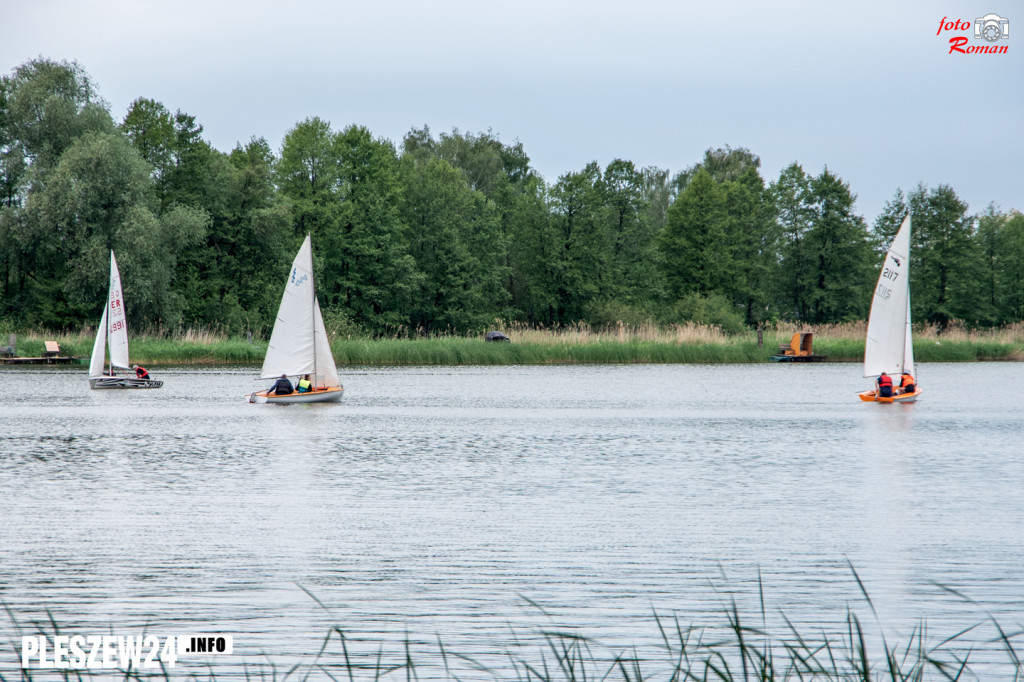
[(890, 274), (884, 292)]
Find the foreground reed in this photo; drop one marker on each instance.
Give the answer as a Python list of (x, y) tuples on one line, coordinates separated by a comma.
[(760, 646), (685, 343)]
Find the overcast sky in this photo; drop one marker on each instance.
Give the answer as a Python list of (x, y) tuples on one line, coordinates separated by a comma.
[(867, 88)]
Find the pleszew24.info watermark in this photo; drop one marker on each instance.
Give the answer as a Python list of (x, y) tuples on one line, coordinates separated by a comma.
[(985, 35), (97, 652)]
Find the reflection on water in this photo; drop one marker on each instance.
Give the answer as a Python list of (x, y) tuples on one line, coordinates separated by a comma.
[(441, 501)]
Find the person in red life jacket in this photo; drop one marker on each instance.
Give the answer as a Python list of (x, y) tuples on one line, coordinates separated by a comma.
[(884, 386), (907, 383), (141, 372)]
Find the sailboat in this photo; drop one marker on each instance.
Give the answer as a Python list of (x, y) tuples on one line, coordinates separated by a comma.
[(299, 345), (889, 346), (112, 335)]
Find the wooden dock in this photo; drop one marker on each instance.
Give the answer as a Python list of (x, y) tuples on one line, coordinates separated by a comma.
[(54, 360), (9, 354), (799, 358)]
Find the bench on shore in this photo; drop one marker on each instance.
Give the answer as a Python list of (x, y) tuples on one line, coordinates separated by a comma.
[(52, 349)]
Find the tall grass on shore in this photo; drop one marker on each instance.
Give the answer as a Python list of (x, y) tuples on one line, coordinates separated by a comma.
[(954, 343), (184, 347), (758, 645), (579, 343)]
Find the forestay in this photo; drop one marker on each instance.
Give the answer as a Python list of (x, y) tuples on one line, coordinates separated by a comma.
[(889, 346)]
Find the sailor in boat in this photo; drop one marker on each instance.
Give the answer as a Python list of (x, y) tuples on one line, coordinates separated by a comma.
[(305, 385), (884, 385), (282, 387), (906, 383), (141, 372)]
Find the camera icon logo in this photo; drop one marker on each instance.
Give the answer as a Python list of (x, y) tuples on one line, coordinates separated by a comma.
[(991, 27)]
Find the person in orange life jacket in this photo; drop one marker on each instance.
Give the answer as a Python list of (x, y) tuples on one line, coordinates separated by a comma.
[(282, 387), (907, 383), (140, 372), (305, 385), (884, 386)]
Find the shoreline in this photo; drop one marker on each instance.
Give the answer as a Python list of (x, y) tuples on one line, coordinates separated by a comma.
[(456, 351)]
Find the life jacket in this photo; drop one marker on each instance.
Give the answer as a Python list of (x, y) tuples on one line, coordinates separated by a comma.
[(141, 373), (885, 380), (305, 386), (906, 380)]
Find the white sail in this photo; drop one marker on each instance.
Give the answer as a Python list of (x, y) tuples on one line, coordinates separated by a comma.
[(326, 370), (292, 347), (888, 347), (118, 321), (99, 348)]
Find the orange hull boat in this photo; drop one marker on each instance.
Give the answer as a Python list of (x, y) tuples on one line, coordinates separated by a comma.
[(870, 397)]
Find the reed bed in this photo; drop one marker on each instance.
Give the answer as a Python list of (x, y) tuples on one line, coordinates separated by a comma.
[(187, 347), (580, 343), (760, 644)]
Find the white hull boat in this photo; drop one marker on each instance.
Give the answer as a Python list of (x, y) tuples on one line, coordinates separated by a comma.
[(299, 345), (112, 336)]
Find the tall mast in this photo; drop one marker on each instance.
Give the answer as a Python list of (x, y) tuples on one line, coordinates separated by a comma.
[(106, 339), (312, 308)]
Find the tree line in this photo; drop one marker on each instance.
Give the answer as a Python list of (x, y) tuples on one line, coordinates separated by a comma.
[(446, 233)]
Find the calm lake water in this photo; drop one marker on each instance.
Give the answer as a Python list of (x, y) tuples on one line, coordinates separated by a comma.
[(483, 505)]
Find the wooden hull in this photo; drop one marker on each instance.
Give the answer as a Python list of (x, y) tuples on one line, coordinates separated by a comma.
[(870, 397), (320, 395), (123, 382)]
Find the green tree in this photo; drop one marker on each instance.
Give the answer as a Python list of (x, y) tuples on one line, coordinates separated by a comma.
[(1011, 268), (190, 178), (499, 171), (1000, 282), (698, 257), (945, 257), (307, 174), (791, 195), (657, 195), (989, 237), (100, 198), (535, 251), (45, 106), (583, 255), (454, 234), (733, 236), (150, 127), (368, 271), (839, 250), (632, 230), (231, 278), (722, 164), (13, 163), (888, 222), (754, 234), (48, 106)]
